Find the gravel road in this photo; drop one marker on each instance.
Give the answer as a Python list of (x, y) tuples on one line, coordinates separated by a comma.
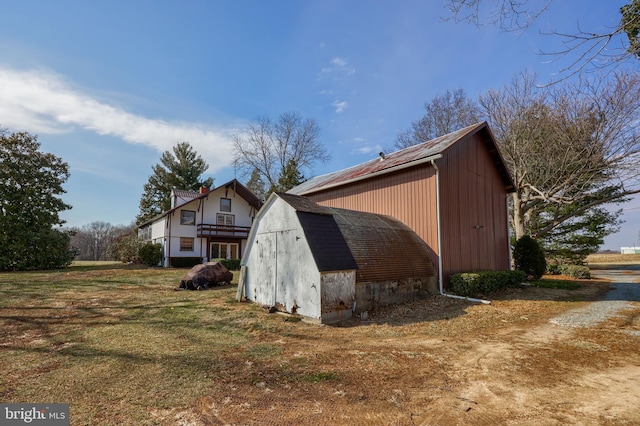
[(625, 289)]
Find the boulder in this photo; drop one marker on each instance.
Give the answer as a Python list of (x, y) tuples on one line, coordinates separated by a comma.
[(205, 275)]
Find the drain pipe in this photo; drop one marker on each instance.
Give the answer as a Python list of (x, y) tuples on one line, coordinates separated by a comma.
[(453, 296)]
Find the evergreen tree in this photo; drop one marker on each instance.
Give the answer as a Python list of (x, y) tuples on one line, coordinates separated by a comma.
[(257, 185), (290, 176), (630, 24), (180, 169), (30, 188)]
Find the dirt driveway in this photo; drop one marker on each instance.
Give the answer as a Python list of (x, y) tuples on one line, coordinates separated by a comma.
[(447, 362)]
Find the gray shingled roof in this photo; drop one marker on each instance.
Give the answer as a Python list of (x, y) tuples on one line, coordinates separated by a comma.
[(380, 247)]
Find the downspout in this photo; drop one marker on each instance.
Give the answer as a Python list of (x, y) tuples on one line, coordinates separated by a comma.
[(453, 296)]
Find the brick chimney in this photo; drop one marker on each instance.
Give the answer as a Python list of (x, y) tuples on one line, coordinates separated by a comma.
[(204, 190)]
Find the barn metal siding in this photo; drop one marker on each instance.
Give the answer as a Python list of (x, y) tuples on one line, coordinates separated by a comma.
[(474, 214), (408, 195), (473, 193)]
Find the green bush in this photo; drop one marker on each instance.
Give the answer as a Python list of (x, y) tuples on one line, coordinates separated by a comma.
[(575, 271), (553, 268), (230, 264), (529, 257), (125, 248), (473, 284), (151, 254)]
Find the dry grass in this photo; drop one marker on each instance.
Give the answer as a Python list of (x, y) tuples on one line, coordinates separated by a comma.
[(123, 348), (614, 258)]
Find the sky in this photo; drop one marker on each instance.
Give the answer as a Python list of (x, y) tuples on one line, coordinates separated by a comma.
[(110, 85)]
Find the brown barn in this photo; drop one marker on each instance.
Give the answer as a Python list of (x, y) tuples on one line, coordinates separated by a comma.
[(458, 180)]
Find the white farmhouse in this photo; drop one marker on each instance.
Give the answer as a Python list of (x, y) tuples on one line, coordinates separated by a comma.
[(204, 225)]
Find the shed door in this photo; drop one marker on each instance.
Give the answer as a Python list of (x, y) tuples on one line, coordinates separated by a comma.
[(265, 272), (286, 266)]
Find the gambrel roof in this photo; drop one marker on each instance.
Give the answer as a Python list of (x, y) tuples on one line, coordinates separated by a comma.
[(380, 247)]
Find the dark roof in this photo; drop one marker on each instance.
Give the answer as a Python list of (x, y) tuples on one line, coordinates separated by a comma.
[(185, 194), (303, 204), (408, 157), (328, 246), (380, 247), (384, 248), (239, 188), (244, 192)]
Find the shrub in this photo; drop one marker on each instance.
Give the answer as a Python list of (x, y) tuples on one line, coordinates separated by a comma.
[(575, 271), (230, 264), (472, 284), (529, 257), (553, 268), (151, 254), (125, 249)]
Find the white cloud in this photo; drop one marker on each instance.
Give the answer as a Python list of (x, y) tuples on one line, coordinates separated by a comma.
[(369, 149), (340, 106), (339, 67), (42, 102)]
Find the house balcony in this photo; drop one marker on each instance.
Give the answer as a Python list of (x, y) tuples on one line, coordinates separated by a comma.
[(207, 230)]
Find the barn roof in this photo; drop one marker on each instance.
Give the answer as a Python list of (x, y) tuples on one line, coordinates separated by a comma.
[(404, 158), (380, 247)]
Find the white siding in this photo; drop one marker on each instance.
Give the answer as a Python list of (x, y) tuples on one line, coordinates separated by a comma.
[(168, 229), (280, 267), (242, 211)]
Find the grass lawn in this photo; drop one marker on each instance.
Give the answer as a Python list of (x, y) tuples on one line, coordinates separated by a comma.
[(117, 342), (122, 347)]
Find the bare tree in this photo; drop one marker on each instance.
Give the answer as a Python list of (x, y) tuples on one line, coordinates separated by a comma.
[(443, 114), (569, 149), (269, 146), (93, 240), (585, 49)]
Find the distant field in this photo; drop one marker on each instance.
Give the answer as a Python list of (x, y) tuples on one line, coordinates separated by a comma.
[(94, 262), (614, 258)]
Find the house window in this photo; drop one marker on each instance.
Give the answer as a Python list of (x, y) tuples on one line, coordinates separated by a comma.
[(225, 204), (144, 233), (225, 219), (186, 244), (187, 217)]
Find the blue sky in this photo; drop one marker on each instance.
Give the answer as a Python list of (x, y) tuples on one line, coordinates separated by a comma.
[(109, 85)]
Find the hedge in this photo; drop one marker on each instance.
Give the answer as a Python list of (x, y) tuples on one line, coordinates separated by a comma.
[(230, 264), (574, 271), (472, 284)]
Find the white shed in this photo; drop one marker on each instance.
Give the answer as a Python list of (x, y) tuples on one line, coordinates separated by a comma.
[(326, 263)]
